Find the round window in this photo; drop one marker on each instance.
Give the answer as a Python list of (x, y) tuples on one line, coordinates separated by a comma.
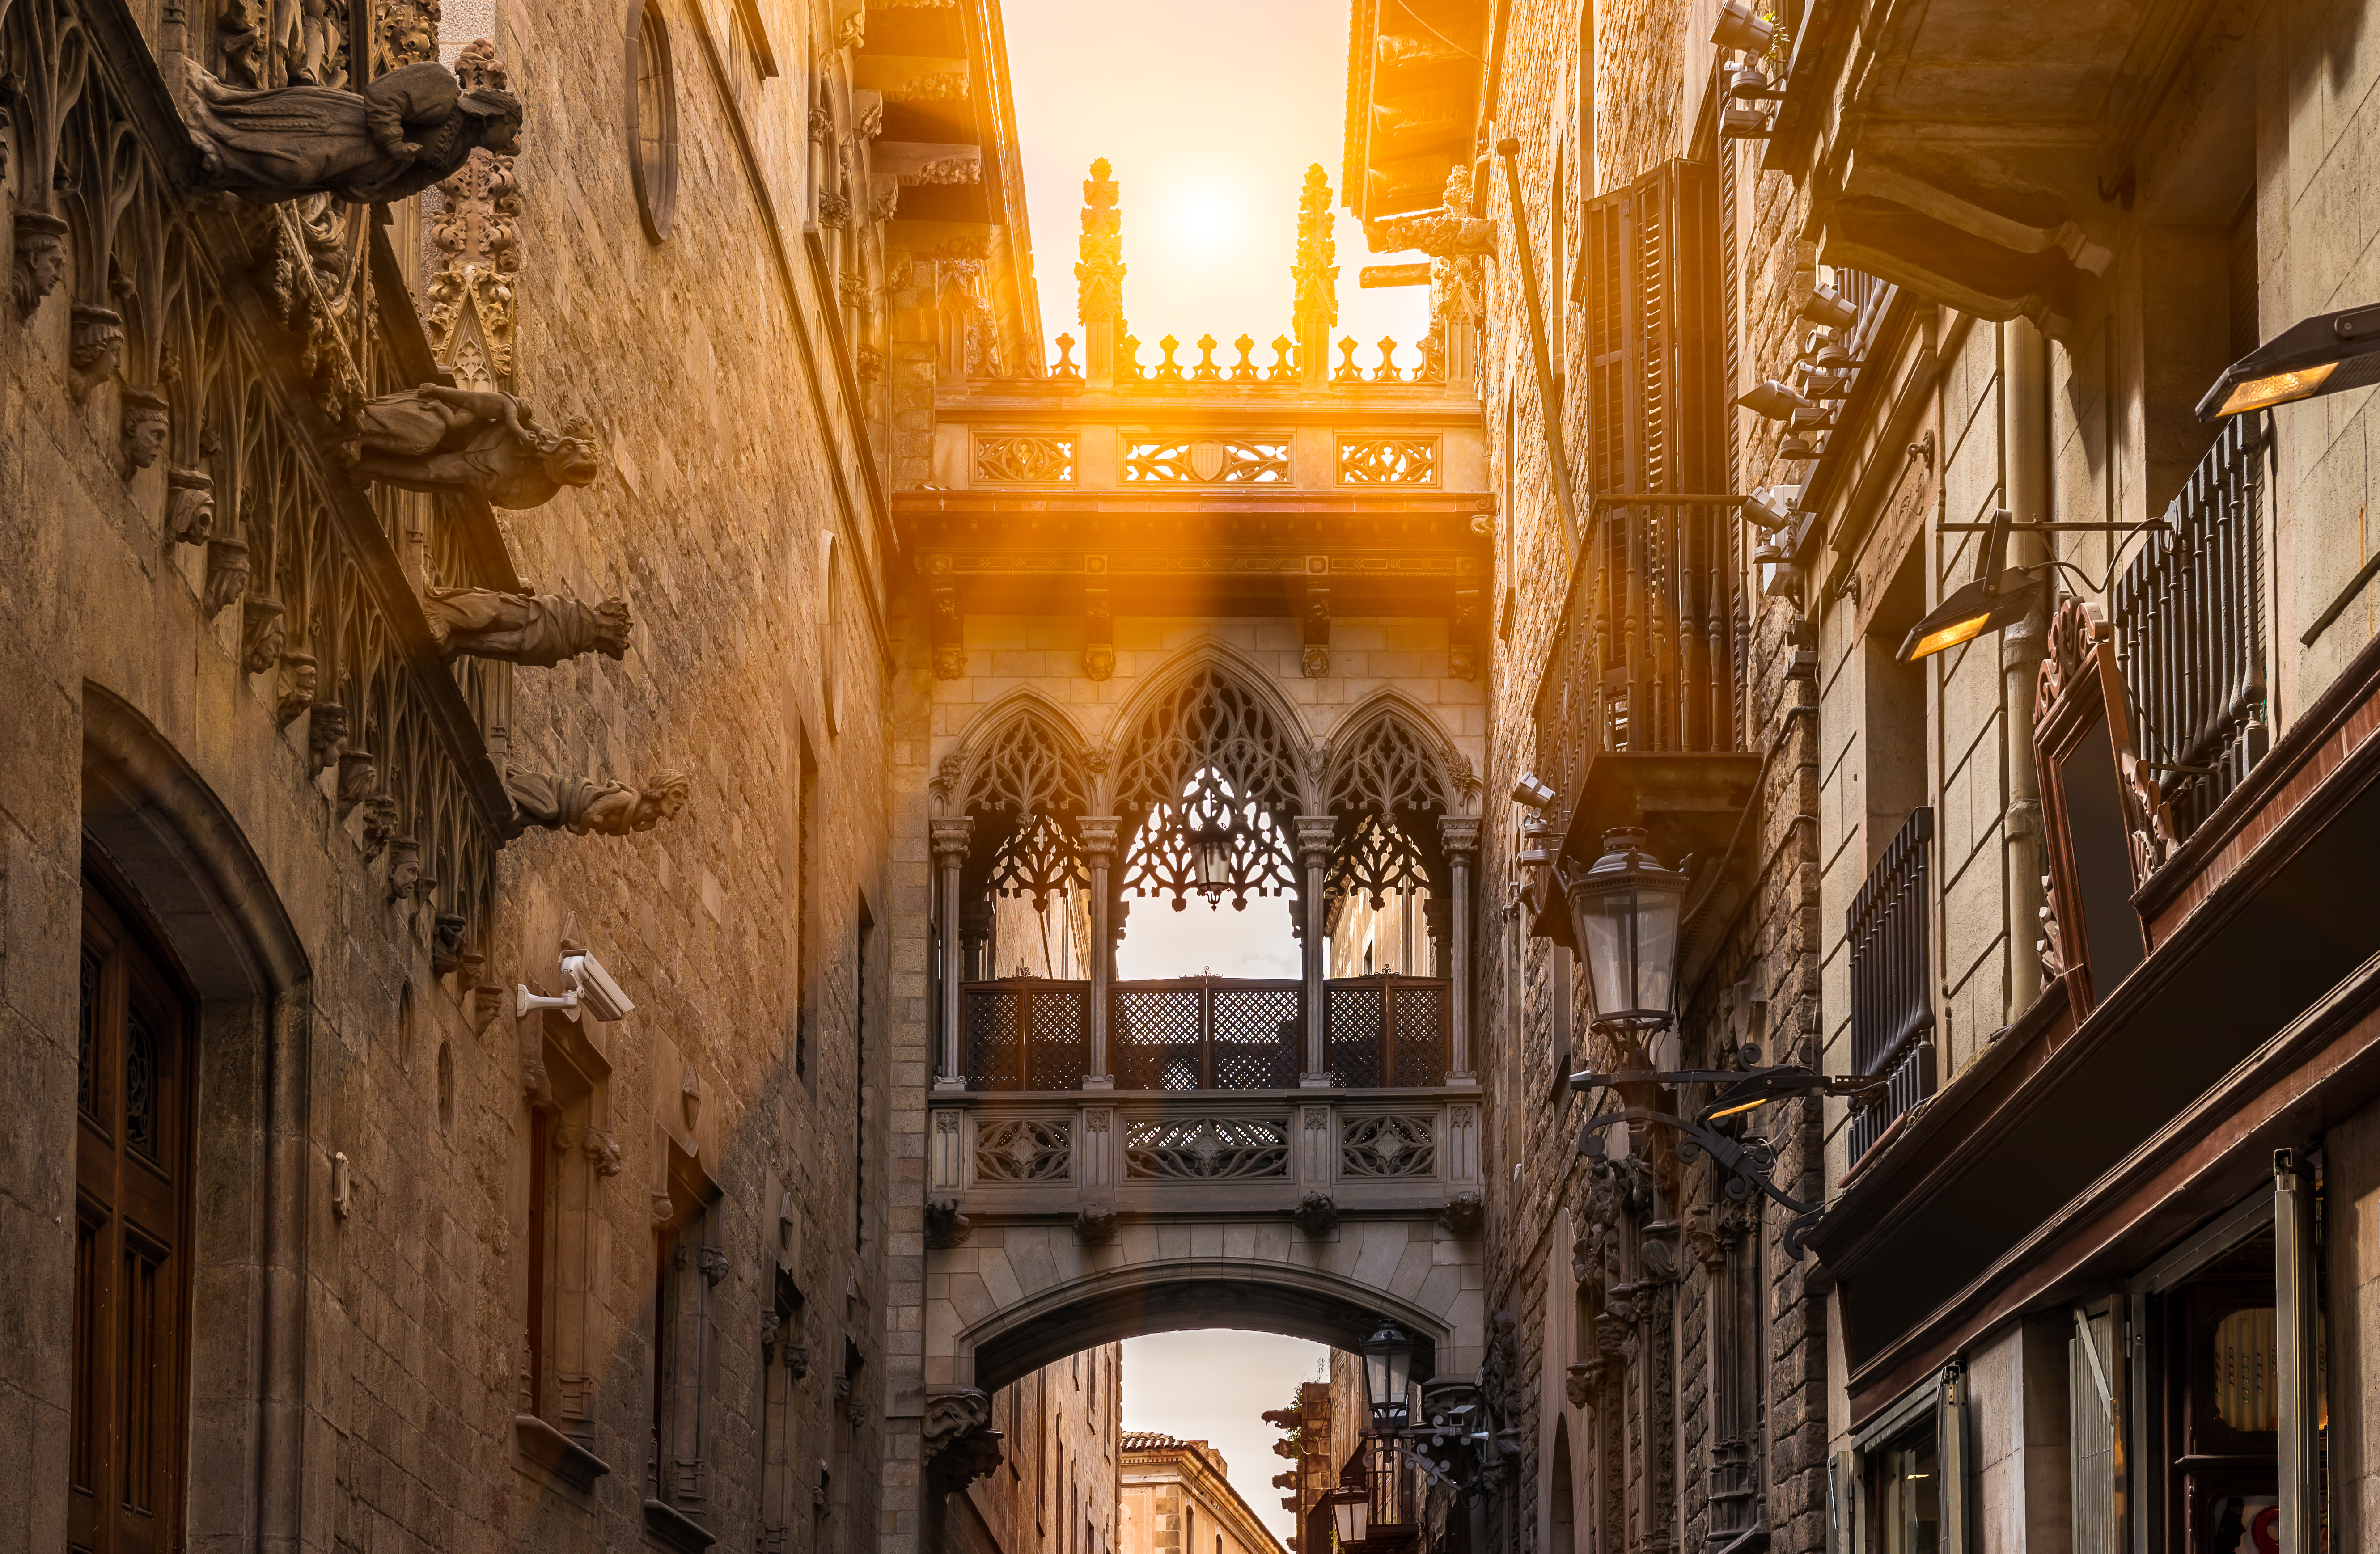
[(652, 119)]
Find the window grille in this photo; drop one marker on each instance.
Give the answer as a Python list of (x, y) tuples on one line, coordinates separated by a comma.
[(1892, 1009)]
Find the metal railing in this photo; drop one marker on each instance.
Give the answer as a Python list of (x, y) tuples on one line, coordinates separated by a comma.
[(1390, 1477), (1892, 1007), (2189, 623), (1204, 1033)]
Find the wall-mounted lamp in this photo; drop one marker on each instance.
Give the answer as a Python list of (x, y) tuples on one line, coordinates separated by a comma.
[(1996, 597), (2315, 355)]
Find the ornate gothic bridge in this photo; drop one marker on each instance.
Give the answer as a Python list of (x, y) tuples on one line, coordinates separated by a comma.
[(1203, 632)]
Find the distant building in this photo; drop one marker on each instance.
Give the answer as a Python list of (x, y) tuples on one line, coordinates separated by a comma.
[(1054, 1492), (1175, 1499)]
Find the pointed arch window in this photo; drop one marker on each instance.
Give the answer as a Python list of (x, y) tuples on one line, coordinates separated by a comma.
[(1210, 786), (1028, 797)]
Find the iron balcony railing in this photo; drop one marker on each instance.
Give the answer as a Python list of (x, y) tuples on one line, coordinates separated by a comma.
[(1892, 1007), (2189, 626), (1206, 1033), (1390, 1476)]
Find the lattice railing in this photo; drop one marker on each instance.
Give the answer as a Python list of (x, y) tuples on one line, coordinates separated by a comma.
[(1199, 1032), (1892, 1007), (2188, 620)]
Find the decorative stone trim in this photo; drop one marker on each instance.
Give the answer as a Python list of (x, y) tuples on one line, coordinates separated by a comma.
[(562, 1460)]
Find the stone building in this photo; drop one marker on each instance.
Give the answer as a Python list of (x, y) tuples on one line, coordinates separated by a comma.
[(1055, 1488), (1175, 1499), (1799, 322)]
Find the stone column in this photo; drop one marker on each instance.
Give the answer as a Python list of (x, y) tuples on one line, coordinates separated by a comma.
[(950, 841), (1098, 836), (1314, 834), (1460, 836)]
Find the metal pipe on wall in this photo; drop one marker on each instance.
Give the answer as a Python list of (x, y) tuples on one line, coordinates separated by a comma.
[(2024, 475)]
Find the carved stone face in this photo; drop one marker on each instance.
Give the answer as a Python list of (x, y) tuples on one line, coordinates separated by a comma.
[(299, 676), (573, 463), (144, 436), (267, 632), (42, 258), (190, 507)]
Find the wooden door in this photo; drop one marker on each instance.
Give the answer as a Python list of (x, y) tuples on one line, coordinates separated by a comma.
[(132, 1149)]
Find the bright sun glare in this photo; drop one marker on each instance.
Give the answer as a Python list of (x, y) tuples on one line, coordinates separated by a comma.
[(1208, 218)]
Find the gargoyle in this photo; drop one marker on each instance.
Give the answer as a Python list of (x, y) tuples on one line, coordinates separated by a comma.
[(580, 805), (537, 629), (438, 439), (392, 137)]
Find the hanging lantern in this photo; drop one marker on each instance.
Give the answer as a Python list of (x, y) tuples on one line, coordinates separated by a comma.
[(1624, 918)]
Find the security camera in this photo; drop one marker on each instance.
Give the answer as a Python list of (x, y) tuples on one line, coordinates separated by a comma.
[(1530, 790), (1773, 401), (590, 987), (597, 993)]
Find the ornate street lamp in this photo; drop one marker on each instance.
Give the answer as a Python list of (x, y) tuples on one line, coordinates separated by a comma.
[(1388, 1378), (1350, 1512), (1624, 919)]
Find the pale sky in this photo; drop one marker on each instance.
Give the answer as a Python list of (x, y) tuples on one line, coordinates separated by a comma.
[(1211, 111), (1212, 1386)]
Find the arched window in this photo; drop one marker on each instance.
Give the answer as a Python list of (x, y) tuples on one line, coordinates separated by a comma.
[(652, 119), (1209, 787)]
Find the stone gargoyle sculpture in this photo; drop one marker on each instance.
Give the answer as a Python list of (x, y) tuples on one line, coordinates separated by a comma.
[(393, 137), (537, 630), (580, 805), (440, 438)]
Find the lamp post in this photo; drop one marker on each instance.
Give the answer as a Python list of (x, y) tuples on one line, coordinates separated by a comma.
[(1625, 912)]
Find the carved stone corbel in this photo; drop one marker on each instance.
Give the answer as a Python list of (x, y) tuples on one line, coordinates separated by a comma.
[(39, 262), (1315, 1214), (446, 942), (945, 1226), (380, 825), (1314, 620), (295, 693), (190, 505), (226, 575), (1098, 620), (358, 778), (1095, 1224), (326, 726), (961, 1445), (1465, 1213), (946, 627), (263, 630), (404, 868), (143, 419), (95, 343)]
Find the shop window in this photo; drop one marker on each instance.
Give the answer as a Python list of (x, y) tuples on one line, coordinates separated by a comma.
[(131, 1289), (1909, 1497)]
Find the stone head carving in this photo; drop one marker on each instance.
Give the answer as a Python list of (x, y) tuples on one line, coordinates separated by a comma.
[(571, 456), (96, 341), (190, 505), (446, 942), (358, 778), (404, 868), (145, 422), (324, 729), (226, 574), (380, 825), (41, 259), (299, 676), (581, 805), (263, 630)]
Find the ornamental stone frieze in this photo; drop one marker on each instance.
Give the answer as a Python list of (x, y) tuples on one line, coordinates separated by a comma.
[(473, 297)]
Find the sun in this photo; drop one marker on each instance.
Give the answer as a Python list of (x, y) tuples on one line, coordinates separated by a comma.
[(1206, 218)]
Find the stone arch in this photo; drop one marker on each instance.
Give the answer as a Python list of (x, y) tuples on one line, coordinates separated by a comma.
[(168, 841), (1028, 710), (1243, 670), (1390, 709), (1317, 1302), (1389, 776), (1020, 778)]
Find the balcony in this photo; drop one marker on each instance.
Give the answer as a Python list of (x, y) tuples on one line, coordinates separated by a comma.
[(1197, 1034), (1892, 1012)]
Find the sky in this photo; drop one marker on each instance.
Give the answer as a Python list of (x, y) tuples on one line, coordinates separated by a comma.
[(1211, 111), (1213, 1386)]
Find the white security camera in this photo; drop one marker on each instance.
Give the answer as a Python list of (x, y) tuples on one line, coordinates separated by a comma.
[(1532, 791), (590, 989), (1773, 507)]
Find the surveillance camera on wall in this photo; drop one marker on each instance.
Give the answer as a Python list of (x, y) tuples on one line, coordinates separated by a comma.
[(1530, 790), (1741, 28), (1773, 401), (590, 987)]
